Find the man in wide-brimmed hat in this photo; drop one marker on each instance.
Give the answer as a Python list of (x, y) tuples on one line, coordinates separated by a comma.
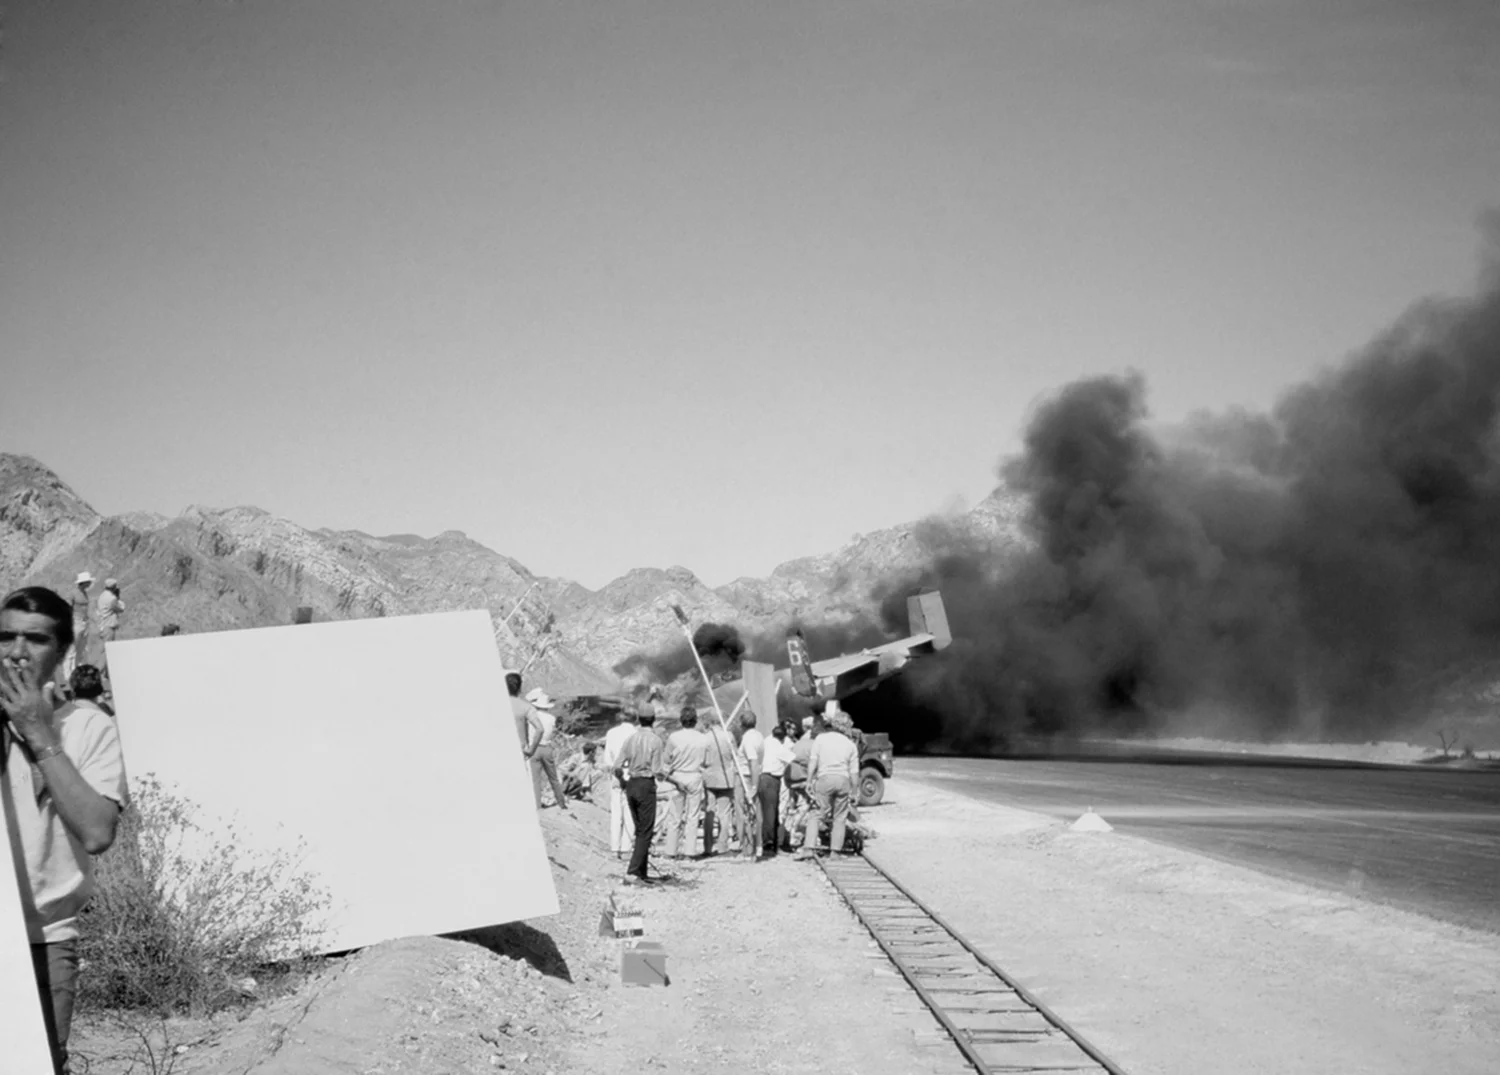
[(80, 602), (543, 758)]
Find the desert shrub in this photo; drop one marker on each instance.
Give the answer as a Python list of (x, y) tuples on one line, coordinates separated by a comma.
[(571, 721), (184, 914)]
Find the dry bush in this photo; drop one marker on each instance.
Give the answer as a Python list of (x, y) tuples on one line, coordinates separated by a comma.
[(184, 915)]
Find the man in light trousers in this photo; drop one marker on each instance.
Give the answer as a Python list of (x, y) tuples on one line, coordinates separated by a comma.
[(719, 780), (543, 756), (687, 758), (832, 772), (747, 760), (621, 824)]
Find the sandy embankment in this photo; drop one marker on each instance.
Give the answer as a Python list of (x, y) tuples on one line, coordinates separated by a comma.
[(1169, 962), (769, 973), (1177, 964)]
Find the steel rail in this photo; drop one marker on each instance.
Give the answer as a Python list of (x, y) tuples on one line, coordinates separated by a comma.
[(962, 1037), (1024, 993)]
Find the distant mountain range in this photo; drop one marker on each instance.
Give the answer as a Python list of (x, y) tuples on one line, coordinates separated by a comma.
[(214, 569)]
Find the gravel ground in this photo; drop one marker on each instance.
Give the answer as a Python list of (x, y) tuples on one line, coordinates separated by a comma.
[(1169, 962), (1173, 963), (769, 973)]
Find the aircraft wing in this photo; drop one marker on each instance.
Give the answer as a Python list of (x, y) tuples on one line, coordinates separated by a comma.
[(841, 676)]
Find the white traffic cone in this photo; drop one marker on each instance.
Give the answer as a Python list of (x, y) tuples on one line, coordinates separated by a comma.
[(1091, 822)]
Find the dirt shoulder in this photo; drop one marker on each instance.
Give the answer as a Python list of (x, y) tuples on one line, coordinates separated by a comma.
[(1169, 962), (769, 972), (1173, 963)]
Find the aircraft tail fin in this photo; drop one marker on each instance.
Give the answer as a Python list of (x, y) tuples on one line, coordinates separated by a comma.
[(926, 614)]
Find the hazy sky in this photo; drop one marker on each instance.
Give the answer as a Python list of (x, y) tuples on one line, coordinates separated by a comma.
[(619, 284)]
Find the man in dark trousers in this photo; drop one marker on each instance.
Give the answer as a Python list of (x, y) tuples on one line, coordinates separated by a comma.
[(776, 756), (637, 768)]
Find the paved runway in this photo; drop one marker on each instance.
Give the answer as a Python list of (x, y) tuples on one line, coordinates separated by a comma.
[(1421, 839)]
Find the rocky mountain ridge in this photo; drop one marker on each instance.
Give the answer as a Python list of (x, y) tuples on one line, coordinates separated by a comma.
[(216, 569)]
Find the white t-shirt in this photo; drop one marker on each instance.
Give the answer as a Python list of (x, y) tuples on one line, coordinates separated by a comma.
[(60, 870), (833, 757), (777, 756), (110, 607), (614, 741), (549, 726), (751, 745), (687, 752)]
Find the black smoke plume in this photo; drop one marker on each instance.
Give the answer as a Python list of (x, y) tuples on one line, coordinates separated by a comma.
[(719, 643), (1314, 570)]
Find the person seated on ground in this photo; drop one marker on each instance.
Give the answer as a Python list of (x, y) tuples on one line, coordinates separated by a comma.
[(88, 688), (64, 777), (581, 773)]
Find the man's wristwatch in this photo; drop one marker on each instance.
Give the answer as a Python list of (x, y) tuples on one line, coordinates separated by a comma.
[(46, 752)]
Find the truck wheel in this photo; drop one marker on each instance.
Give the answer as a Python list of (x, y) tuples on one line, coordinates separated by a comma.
[(871, 787)]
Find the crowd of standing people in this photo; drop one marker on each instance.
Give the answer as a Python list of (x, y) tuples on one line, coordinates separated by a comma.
[(95, 621), (701, 791)]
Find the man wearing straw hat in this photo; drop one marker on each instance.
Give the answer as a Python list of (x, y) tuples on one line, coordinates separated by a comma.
[(78, 654), (543, 757)]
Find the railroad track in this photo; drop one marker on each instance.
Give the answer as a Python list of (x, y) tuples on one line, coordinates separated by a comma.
[(994, 1021)]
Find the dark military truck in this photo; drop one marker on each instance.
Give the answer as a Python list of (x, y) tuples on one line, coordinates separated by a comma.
[(876, 761)]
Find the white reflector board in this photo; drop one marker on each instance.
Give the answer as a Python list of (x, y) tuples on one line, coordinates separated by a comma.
[(760, 684), (387, 745), (23, 1042)]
